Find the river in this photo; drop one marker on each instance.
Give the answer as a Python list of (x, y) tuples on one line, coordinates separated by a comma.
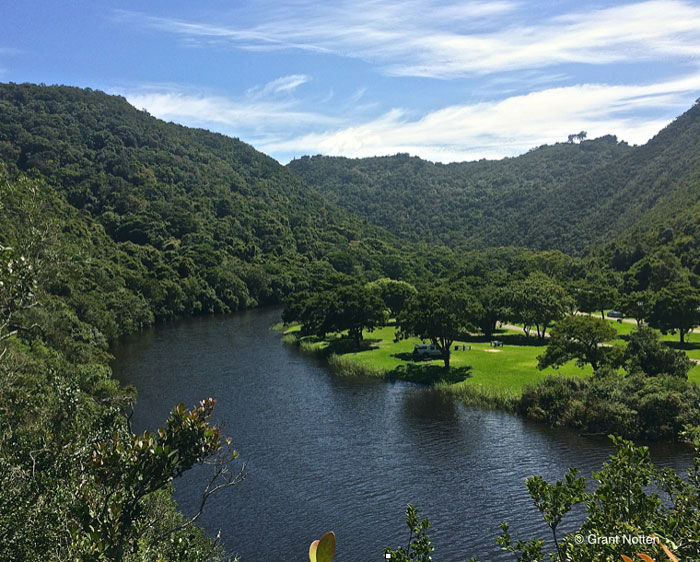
[(329, 453)]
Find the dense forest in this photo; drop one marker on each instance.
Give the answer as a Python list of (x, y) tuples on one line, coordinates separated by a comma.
[(463, 205), (205, 222), (112, 220), (574, 196)]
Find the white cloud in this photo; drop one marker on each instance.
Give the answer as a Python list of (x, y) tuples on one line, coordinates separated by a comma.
[(504, 128), (282, 85), (251, 117), (438, 39)]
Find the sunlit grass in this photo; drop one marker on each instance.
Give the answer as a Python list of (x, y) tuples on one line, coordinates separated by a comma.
[(487, 374)]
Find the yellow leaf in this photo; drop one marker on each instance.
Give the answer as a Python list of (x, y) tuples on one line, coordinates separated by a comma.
[(670, 554), (312, 551)]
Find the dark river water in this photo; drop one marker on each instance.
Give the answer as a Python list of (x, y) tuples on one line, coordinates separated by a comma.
[(330, 453)]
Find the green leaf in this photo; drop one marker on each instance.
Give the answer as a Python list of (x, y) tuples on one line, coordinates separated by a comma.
[(323, 550)]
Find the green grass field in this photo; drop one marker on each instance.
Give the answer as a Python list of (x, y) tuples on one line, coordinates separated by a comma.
[(498, 373)]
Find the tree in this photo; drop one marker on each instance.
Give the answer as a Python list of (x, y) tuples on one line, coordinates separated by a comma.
[(17, 292), (645, 353), (127, 469), (676, 307), (439, 314), (595, 293), (393, 293), (419, 547), (578, 337), (353, 307), (580, 137), (537, 301), (491, 309), (622, 504), (637, 305)]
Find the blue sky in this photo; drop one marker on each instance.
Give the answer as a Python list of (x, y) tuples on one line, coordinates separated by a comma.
[(447, 81)]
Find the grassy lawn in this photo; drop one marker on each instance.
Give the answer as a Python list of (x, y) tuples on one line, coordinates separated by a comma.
[(492, 371), (504, 370)]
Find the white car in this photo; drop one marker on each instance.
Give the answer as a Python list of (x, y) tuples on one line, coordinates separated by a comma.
[(427, 350)]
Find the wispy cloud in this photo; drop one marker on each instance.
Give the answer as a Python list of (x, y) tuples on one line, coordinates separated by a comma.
[(256, 116), (504, 128), (282, 85), (437, 39)]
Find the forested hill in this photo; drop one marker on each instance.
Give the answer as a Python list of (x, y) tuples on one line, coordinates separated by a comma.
[(571, 196), (649, 198), (465, 205), (201, 222)]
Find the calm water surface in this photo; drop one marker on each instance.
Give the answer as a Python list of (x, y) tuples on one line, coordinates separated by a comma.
[(328, 453)]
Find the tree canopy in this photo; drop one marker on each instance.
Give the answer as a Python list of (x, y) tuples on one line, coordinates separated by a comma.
[(440, 314)]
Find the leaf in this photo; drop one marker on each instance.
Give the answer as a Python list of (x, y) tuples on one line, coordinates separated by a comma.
[(326, 548), (626, 558), (670, 554), (645, 557), (312, 551)]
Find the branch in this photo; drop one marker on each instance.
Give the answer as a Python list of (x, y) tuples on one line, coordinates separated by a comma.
[(227, 480)]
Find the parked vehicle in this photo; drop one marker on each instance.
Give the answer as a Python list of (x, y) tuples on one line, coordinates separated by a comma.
[(615, 314), (427, 350)]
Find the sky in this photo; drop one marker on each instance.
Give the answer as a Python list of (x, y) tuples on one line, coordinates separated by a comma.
[(444, 80)]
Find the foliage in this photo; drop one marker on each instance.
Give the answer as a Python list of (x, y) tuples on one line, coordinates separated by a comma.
[(636, 406), (189, 221), (418, 548), (439, 314), (346, 305), (537, 301), (578, 337), (621, 505), (645, 353), (74, 482), (126, 470), (462, 205), (676, 307), (596, 292), (393, 293)]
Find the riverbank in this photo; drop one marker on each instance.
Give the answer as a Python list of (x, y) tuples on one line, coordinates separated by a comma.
[(480, 374)]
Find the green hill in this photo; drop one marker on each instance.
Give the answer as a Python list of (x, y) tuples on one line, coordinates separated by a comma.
[(203, 222), (463, 205), (574, 197)]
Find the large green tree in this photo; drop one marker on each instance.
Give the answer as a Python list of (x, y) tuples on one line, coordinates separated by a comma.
[(439, 314), (631, 498), (646, 354), (393, 293), (578, 337), (349, 306), (537, 301), (676, 308)]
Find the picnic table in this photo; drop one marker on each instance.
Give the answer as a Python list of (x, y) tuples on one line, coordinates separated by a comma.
[(496, 343)]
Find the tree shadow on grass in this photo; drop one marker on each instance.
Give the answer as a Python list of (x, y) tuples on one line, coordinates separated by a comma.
[(408, 356), (687, 346), (341, 346), (429, 374), (508, 338), (521, 339)]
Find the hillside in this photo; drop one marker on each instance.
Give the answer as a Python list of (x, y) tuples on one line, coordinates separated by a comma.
[(463, 205), (203, 222), (650, 197), (570, 197)]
